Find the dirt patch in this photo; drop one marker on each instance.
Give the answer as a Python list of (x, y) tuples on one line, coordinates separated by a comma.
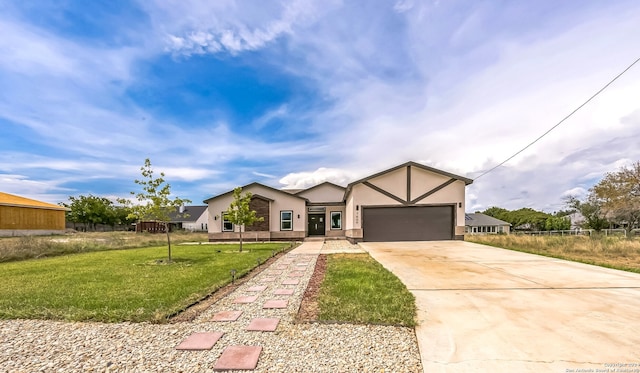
[(308, 311)]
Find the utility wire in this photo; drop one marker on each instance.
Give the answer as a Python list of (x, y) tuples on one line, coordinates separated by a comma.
[(560, 122)]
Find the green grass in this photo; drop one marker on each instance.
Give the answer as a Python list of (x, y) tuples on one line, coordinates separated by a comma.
[(358, 289), (29, 247), (122, 285)]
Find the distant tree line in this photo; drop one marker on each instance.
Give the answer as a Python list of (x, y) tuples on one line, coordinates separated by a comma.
[(530, 219), (91, 211), (614, 202)]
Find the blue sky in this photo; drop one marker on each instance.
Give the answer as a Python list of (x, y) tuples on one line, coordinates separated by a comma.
[(223, 93)]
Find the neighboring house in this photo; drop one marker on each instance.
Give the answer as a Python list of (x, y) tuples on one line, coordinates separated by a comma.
[(409, 202), (577, 220), (20, 216), (478, 223), (196, 219)]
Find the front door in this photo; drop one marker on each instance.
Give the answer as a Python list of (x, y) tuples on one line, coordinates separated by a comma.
[(316, 224)]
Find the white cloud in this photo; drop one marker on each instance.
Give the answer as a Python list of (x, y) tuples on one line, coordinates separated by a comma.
[(303, 180), (212, 27)]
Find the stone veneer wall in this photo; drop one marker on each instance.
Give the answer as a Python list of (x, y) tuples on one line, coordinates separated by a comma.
[(261, 207)]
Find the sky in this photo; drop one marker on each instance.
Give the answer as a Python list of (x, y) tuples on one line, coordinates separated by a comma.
[(219, 94)]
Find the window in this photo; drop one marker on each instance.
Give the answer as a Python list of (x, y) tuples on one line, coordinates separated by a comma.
[(227, 226), (286, 220), (336, 220)]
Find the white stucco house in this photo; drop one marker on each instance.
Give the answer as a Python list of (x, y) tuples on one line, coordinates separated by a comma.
[(191, 218), (409, 202)]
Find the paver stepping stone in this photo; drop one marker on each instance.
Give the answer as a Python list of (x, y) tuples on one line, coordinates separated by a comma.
[(291, 281), (275, 273), (246, 299), (226, 316), (302, 264), (257, 289), (283, 292), (275, 303), (296, 274), (267, 279), (263, 324), (200, 341), (238, 357), (282, 267)]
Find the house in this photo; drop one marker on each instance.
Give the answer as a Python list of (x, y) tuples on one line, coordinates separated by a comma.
[(20, 216), (409, 202), (191, 218), (478, 223)]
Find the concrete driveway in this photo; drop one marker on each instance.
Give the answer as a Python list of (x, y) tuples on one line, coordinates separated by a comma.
[(484, 309)]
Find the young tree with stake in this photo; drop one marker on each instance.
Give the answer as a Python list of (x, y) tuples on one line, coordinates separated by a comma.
[(154, 200), (239, 212)]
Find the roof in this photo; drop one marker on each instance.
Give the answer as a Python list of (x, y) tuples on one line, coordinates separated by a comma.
[(477, 219), (194, 213), (259, 185), (298, 191), (467, 181), (7, 199)]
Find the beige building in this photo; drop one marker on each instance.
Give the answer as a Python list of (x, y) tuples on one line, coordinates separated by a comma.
[(409, 202)]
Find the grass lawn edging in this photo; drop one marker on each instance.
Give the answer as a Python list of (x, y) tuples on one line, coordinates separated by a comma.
[(358, 289)]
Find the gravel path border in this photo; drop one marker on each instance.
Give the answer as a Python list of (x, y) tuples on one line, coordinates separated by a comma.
[(51, 346)]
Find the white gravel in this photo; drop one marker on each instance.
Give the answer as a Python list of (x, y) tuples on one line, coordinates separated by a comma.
[(50, 346)]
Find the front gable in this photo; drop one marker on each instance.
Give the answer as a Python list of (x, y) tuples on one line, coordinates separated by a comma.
[(323, 193), (408, 184), (269, 201)]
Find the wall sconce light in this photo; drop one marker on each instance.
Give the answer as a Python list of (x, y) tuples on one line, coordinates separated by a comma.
[(298, 216), (357, 207), (215, 217), (459, 204)]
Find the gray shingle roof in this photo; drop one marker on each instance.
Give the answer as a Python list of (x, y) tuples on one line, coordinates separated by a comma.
[(478, 220), (194, 212)]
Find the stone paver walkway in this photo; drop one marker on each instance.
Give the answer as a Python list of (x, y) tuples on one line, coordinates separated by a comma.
[(258, 306)]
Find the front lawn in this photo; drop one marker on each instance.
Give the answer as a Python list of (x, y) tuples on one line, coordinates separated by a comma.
[(358, 289), (122, 285)]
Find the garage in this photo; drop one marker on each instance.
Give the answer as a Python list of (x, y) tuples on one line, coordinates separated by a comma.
[(408, 223)]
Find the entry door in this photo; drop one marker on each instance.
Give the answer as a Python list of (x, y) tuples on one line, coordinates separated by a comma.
[(316, 224)]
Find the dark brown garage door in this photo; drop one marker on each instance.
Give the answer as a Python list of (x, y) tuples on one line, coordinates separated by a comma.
[(419, 223)]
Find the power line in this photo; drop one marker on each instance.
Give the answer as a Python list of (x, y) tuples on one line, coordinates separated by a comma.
[(560, 122)]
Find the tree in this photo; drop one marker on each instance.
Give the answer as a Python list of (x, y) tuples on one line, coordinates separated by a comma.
[(590, 210), (619, 195), (557, 223), (154, 202), (90, 210), (498, 213), (524, 218), (239, 212)]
